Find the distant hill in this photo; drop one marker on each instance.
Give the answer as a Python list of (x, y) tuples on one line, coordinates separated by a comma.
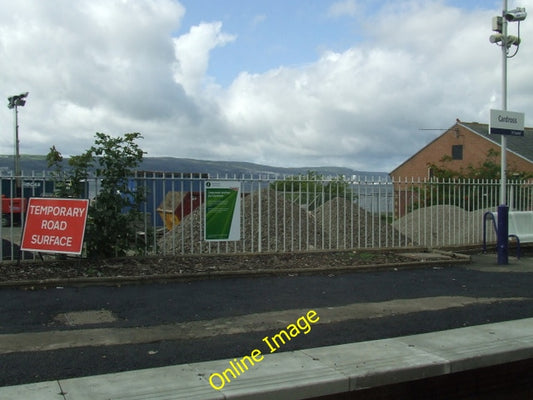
[(37, 163)]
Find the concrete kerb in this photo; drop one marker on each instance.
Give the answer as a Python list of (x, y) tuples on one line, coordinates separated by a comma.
[(308, 373), (450, 260)]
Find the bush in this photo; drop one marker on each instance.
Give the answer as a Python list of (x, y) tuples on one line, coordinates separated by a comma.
[(113, 214)]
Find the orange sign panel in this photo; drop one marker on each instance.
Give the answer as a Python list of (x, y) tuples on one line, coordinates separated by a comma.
[(55, 225)]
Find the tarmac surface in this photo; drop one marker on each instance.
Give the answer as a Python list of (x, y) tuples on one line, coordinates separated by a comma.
[(66, 332)]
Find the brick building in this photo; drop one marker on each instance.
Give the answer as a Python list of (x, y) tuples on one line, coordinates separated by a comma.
[(465, 144)]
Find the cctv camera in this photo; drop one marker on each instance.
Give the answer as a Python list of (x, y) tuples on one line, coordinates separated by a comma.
[(496, 38), (518, 14), (509, 41), (513, 40)]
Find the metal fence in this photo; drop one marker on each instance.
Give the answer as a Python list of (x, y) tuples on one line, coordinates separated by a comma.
[(288, 214)]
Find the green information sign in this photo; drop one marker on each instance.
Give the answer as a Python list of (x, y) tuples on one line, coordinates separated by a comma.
[(222, 210)]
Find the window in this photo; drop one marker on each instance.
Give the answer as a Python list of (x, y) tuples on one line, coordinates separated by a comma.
[(457, 152)]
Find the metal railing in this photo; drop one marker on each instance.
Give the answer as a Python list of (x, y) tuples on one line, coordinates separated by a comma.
[(288, 214)]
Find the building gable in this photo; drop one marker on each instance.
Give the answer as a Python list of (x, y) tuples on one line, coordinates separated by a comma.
[(463, 145)]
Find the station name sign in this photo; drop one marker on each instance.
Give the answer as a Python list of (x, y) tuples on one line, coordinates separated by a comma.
[(506, 123), (55, 225)]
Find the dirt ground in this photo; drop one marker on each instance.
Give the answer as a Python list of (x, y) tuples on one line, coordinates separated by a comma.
[(170, 266)]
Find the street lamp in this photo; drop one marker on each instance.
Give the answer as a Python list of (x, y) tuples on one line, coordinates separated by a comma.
[(505, 41), (14, 103)]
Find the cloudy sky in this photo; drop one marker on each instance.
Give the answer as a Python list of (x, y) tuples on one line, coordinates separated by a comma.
[(305, 83)]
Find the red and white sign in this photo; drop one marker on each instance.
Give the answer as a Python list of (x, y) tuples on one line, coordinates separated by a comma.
[(55, 225)]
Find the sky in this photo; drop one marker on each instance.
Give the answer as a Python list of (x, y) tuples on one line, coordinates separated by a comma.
[(362, 84)]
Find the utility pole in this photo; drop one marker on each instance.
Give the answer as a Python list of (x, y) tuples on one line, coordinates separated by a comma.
[(505, 41)]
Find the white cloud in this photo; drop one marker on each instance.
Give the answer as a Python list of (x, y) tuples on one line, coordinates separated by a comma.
[(258, 19), (113, 66), (343, 8), (192, 54), (95, 62), (364, 107)]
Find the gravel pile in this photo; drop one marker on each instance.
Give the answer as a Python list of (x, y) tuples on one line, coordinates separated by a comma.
[(282, 226), (443, 225), (345, 225), (285, 226)]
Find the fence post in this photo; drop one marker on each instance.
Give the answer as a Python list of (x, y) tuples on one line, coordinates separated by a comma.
[(259, 221)]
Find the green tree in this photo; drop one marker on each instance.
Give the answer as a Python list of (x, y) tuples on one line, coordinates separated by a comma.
[(114, 213), (313, 189), (489, 168), (71, 182), (463, 187)]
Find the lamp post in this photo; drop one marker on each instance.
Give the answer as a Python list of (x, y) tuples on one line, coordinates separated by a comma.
[(505, 41), (14, 103)]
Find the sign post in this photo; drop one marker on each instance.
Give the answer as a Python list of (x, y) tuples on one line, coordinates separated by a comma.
[(222, 210), (504, 123), (55, 225)]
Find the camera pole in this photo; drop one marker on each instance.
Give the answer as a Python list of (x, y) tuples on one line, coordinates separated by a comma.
[(503, 209)]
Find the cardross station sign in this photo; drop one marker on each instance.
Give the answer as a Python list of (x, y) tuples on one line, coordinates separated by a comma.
[(506, 123), (55, 225)]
